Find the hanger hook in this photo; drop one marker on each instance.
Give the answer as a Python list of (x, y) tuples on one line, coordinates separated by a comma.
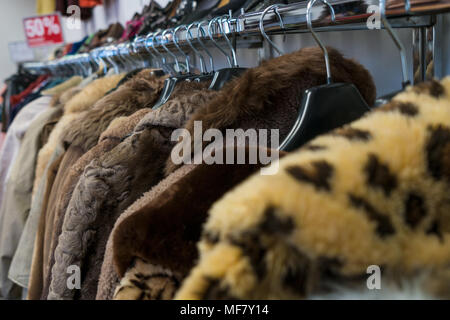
[(199, 39), (175, 41), (163, 58), (146, 46), (233, 52), (111, 60), (397, 42), (130, 49), (316, 37), (214, 20), (136, 53), (99, 61), (121, 56), (168, 51), (261, 26), (189, 41)]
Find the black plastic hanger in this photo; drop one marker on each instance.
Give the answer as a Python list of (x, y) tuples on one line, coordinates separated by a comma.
[(325, 107), (222, 76)]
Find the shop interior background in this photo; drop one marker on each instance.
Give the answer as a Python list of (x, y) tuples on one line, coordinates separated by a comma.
[(374, 49)]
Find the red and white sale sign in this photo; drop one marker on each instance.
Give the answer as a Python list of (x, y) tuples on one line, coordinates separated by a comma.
[(43, 30)]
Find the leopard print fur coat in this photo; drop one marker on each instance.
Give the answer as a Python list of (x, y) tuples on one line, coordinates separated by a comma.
[(372, 193)]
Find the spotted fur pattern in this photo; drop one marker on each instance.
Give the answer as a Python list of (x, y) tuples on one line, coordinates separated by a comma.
[(147, 282), (375, 192)]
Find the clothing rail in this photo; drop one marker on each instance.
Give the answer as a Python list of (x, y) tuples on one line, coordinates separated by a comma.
[(349, 15)]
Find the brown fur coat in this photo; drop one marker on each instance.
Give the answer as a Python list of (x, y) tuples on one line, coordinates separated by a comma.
[(138, 92), (109, 184), (75, 101)]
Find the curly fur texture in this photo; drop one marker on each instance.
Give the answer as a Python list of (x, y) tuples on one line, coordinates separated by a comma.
[(269, 95), (374, 192), (109, 184), (111, 137)]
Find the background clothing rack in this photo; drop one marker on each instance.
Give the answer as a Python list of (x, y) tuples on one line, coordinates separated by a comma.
[(350, 15)]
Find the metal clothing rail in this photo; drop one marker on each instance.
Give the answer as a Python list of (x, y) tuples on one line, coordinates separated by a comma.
[(349, 15)]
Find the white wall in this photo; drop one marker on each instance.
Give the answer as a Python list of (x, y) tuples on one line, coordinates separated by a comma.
[(11, 29)]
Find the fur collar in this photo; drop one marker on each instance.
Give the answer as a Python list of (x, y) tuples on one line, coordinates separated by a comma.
[(91, 94), (175, 113), (138, 92), (121, 126)]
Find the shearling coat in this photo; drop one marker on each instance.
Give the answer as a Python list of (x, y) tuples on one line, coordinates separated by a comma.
[(266, 97), (109, 184), (372, 195), (75, 101), (137, 92)]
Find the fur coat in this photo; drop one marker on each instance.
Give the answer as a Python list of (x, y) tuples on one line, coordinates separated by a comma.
[(167, 212), (138, 91), (19, 201), (109, 184), (74, 102), (265, 97), (372, 196)]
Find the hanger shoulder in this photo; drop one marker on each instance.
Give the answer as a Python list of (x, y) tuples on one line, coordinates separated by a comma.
[(323, 109)]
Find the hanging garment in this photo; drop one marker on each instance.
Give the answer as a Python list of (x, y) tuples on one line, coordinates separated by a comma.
[(15, 85), (45, 6), (54, 150), (7, 159), (169, 212), (374, 192), (140, 91), (266, 97), (18, 107), (15, 99), (123, 175), (19, 188)]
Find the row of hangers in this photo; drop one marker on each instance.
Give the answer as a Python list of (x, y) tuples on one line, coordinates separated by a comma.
[(322, 108)]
